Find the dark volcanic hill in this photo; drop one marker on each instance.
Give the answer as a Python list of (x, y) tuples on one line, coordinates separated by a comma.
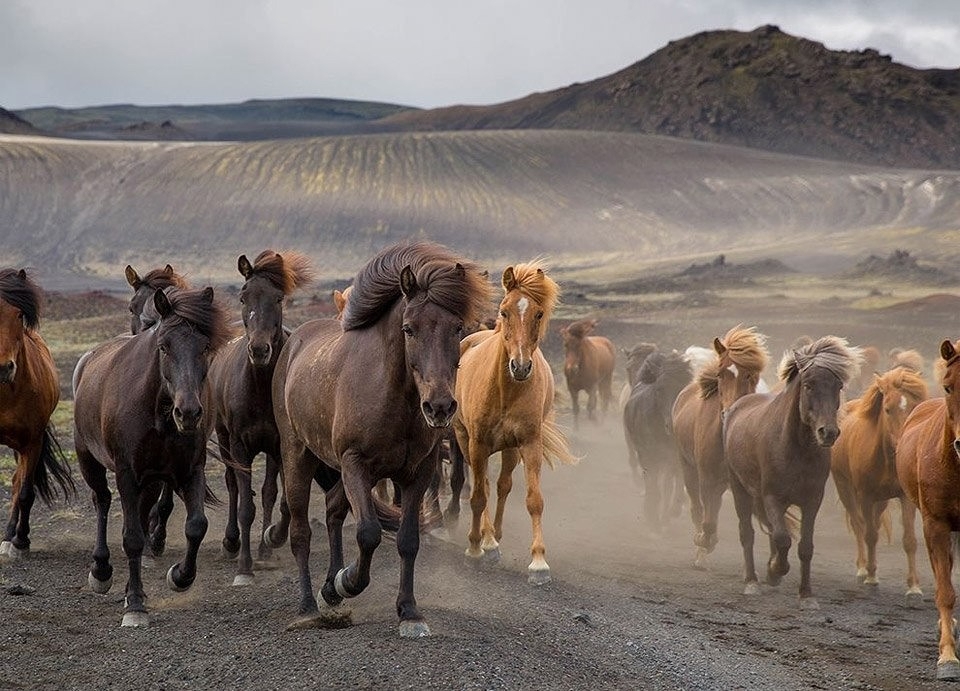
[(11, 123), (763, 89)]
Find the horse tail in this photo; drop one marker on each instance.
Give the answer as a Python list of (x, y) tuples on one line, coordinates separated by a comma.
[(53, 464), (555, 446)]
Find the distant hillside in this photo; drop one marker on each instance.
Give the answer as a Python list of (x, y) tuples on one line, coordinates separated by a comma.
[(11, 123), (250, 120), (594, 203), (763, 89)]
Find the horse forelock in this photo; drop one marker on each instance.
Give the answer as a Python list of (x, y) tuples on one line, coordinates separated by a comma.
[(746, 348), (159, 278), (829, 352), (23, 294), (453, 283), (533, 283), (287, 271), (193, 308)]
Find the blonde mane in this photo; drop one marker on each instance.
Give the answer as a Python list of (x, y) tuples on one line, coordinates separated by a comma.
[(745, 348), (533, 283), (907, 382)]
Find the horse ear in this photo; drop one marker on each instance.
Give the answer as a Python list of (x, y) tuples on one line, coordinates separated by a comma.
[(22, 274), (168, 270), (133, 278), (460, 270), (509, 281), (339, 301), (162, 304), (244, 266), (408, 282), (208, 294), (718, 346), (947, 351)]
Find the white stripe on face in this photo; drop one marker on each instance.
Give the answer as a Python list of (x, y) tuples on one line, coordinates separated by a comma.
[(522, 305)]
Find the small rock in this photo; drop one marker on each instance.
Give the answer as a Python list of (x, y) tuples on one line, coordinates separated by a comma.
[(19, 589)]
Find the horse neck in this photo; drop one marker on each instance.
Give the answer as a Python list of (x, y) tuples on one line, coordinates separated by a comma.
[(786, 406), (387, 330)]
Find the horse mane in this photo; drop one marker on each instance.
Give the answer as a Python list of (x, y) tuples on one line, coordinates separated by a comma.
[(195, 308), (670, 368), (830, 352), (287, 271), (23, 293), (159, 278), (581, 327), (745, 348), (907, 359), (532, 281), (907, 382), (451, 282)]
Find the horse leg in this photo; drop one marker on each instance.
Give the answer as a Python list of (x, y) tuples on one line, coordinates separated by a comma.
[(18, 529), (457, 481), (575, 405), (805, 551), (159, 515), (412, 624), (478, 455), (354, 579), (100, 577), (592, 404), (691, 481), (743, 503), (181, 576), (778, 565), (246, 513), (230, 545), (268, 500), (298, 469), (337, 508), (939, 547), (908, 512), (509, 458), (713, 482), (652, 495), (872, 515), (538, 572), (134, 608)]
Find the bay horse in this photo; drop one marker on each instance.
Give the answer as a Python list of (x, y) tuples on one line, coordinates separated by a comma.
[(928, 467), (777, 449), (370, 395), (863, 465), (588, 366), (241, 377), (648, 428), (29, 393), (143, 410), (505, 394), (738, 359)]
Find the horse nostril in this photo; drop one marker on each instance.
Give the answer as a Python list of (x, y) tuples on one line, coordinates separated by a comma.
[(956, 445)]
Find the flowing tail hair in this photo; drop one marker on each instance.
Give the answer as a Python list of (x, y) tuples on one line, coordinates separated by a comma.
[(52, 476), (555, 446)]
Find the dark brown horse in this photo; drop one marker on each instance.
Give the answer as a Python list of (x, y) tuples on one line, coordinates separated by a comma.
[(241, 377), (29, 392), (928, 467), (648, 428), (864, 469), (588, 366), (370, 396), (143, 410), (739, 358), (777, 448)]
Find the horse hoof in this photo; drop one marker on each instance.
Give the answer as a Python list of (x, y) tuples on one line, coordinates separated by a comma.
[(752, 588), (538, 577), (228, 554), (172, 580), (473, 554), (491, 556), (329, 595), (339, 586), (871, 580), (98, 586), (948, 671), (242, 579), (135, 620), (914, 593), (414, 629), (809, 604), (270, 540)]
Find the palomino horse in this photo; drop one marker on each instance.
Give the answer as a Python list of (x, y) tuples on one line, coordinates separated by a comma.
[(588, 366), (777, 448), (370, 396), (241, 377), (143, 409), (863, 465), (648, 428), (29, 392), (739, 358), (928, 466), (505, 391)]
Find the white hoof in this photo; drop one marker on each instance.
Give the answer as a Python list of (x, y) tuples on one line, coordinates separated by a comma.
[(173, 584), (98, 586), (473, 554), (243, 579), (809, 604), (861, 573), (752, 588), (414, 629), (136, 620), (538, 577), (914, 592), (871, 580)]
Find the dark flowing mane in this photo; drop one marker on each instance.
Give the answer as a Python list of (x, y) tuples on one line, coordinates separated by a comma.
[(22, 293), (830, 352), (194, 308), (906, 381), (451, 282), (745, 349), (161, 278), (287, 271)]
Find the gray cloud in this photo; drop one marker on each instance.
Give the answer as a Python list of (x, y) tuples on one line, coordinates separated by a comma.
[(417, 52)]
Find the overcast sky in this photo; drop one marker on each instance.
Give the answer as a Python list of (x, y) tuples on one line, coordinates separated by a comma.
[(414, 52)]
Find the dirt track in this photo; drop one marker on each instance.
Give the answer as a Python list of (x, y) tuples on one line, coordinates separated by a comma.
[(625, 609)]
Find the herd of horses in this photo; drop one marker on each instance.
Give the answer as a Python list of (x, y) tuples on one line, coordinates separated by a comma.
[(404, 372)]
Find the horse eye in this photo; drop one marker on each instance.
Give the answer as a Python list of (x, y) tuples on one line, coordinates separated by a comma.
[(947, 389), (540, 315), (503, 313), (163, 349), (459, 330), (242, 302)]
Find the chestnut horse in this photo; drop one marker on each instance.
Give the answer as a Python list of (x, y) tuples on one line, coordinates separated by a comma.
[(928, 466), (29, 393), (241, 377), (648, 428), (143, 409), (863, 465), (505, 392), (739, 358), (588, 366), (370, 396), (777, 448)]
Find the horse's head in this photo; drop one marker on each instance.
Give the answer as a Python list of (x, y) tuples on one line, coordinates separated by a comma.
[(432, 348), (573, 336), (191, 329), (741, 357), (19, 312), (524, 312), (950, 381), (635, 359), (898, 392), (143, 313)]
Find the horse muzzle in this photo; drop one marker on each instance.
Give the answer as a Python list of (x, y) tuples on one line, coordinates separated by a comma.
[(827, 436), (187, 420), (520, 371), (7, 372), (259, 354), (439, 413)]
